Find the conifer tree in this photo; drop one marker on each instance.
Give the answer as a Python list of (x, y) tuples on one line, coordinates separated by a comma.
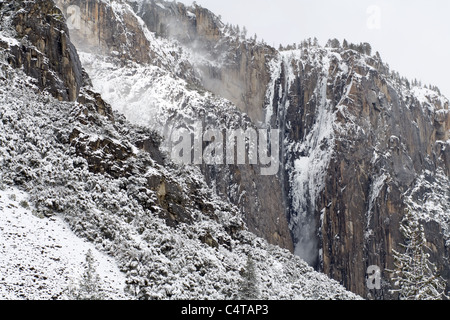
[(415, 276), (244, 32), (249, 283), (89, 286), (345, 44)]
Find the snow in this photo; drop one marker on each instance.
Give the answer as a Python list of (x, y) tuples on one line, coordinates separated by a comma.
[(144, 94), (40, 258), (429, 199), (150, 96), (11, 41), (429, 99), (191, 15), (375, 189), (422, 95), (160, 5)]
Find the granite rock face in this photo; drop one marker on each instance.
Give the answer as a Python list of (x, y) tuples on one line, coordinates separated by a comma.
[(359, 142), (95, 27), (45, 51)]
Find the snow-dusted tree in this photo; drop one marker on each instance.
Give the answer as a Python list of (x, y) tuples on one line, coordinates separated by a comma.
[(366, 48), (89, 286), (249, 284), (315, 42), (244, 32), (333, 43), (415, 277), (345, 44)]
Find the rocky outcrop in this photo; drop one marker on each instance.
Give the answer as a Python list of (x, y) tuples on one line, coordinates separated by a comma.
[(229, 65), (113, 29), (97, 27), (375, 168), (44, 50), (260, 199)]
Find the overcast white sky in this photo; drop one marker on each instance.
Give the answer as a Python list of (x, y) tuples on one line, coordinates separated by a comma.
[(412, 36)]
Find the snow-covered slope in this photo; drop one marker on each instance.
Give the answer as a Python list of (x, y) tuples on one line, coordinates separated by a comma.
[(153, 97), (42, 259)]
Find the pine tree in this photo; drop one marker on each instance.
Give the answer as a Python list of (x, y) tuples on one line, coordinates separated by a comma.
[(249, 283), (345, 44), (89, 286), (414, 275), (316, 42), (244, 32), (333, 43), (367, 48)]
